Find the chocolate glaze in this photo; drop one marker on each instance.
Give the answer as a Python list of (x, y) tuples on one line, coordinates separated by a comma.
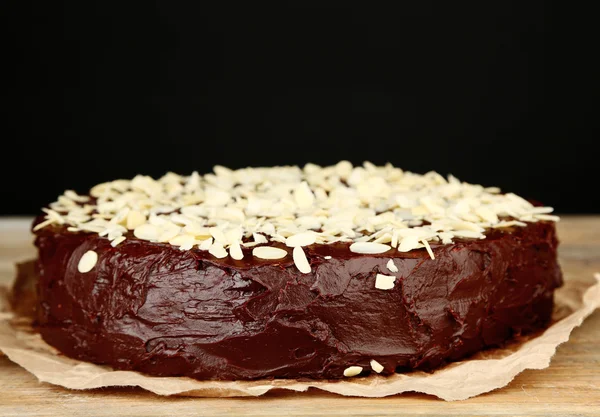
[(152, 308)]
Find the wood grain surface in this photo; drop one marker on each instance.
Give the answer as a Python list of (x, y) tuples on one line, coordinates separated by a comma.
[(569, 387)]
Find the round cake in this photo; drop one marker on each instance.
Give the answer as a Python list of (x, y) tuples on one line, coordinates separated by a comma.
[(287, 272)]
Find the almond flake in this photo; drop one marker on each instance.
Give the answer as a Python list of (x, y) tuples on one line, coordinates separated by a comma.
[(218, 234), (352, 371), (258, 238), (468, 234), (217, 250), (117, 240), (409, 243), (509, 223), (487, 214), (429, 251), (369, 247), (300, 260), (303, 196), (547, 217), (301, 239), (43, 224), (384, 282), (134, 219), (376, 366), (327, 257), (87, 261), (392, 266), (235, 251), (185, 242), (269, 252), (147, 232), (206, 244)]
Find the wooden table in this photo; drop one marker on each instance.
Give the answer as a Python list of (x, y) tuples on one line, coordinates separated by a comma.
[(571, 386)]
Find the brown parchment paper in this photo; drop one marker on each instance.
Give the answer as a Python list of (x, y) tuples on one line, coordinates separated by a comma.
[(484, 372)]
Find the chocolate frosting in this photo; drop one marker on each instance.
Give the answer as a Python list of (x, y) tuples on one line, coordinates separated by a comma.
[(153, 308)]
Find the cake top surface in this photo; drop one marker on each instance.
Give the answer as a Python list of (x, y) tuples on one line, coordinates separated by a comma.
[(373, 208)]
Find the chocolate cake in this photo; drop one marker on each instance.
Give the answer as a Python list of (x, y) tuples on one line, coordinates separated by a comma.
[(286, 272)]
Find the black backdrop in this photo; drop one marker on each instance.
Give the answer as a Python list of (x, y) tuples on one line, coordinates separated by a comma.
[(498, 93)]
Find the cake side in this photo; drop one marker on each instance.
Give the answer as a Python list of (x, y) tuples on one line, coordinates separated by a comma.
[(150, 307)]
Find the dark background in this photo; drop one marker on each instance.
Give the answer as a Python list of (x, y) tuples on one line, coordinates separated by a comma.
[(498, 93)]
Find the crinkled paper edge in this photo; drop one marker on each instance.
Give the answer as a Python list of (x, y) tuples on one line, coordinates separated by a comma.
[(485, 372)]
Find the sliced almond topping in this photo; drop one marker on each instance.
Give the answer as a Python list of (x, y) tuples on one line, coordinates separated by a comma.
[(365, 205), (43, 224), (409, 243), (487, 215), (369, 247), (392, 266), (218, 234), (258, 238), (300, 260), (117, 240), (301, 239), (384, 282), (206, 244), (217, 250), (269, 252), (147, 232), (235, 251), (87, 261), (327, 257), (429, 251), (185, 242), (352, 371), (376, 366), (467, 234), (509, 223), (547, 217), (303, 196), (134, 219)]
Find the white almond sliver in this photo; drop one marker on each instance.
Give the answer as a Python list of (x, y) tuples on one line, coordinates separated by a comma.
[(369, 247), (147, 232), (117, 240), (352, 371), (486, 214), (376, 366), (548, 217), (185, 242), (409, 243), (392, 266), (429, 251), (87, 261), (218, 234), (205, 245), (540, 210), (218, 251), (258, 238), (384, 282), (300, 260), (509, 223), (235, 251), (269, 252), (467, 234), (327, 257), (303, 195), (301, 239)]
